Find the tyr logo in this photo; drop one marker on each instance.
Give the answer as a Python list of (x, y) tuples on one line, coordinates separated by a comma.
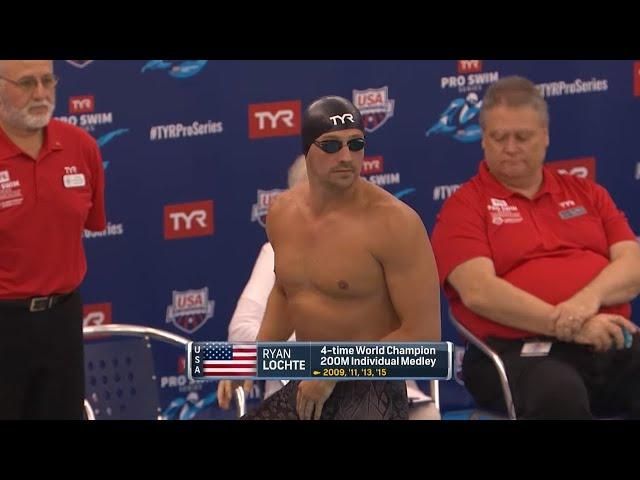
[(200, 216), (335, 118)]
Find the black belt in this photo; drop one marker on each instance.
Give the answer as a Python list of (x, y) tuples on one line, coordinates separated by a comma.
[(36, 304)]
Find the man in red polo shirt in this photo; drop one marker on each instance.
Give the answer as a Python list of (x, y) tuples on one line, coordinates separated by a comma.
[(51, 189), (542, 267)]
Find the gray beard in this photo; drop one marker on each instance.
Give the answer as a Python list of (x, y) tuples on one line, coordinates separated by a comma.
[(24, 121)]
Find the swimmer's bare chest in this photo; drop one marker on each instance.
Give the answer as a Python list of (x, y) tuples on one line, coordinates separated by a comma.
[(333, 259), (334, 283)]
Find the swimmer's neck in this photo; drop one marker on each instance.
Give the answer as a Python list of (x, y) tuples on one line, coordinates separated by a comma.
[(324, 200)]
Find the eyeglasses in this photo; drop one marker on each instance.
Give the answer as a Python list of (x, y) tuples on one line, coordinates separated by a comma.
[(334, 146), (29, 84)]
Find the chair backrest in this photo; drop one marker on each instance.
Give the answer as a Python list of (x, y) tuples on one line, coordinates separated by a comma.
[(120, 383), (120, 379), (102, 398)]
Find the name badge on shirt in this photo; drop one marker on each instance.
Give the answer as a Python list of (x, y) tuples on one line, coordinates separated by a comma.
[(74, 181), (572, 212), (536, 349)]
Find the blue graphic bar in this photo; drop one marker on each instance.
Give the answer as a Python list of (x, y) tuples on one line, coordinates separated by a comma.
[(319, 360)]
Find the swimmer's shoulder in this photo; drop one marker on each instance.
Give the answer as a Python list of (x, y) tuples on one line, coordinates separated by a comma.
[(388, 213)]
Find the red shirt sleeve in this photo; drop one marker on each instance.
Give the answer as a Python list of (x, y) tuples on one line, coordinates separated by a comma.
[(616, 225), (460, 233)]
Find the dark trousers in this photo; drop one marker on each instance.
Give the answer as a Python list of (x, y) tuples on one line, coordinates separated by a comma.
[(41, 362), (572, 382)]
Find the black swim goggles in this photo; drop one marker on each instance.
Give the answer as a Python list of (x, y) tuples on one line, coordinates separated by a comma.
[(334, 146)]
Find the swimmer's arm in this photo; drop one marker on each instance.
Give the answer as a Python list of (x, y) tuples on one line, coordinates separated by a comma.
[(276, 325), (411, 276)]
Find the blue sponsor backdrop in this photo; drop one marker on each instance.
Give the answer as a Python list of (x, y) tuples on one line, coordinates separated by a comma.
[(188, 145)]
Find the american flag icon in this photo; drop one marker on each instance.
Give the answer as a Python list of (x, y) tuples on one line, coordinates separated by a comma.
[(227, 360)]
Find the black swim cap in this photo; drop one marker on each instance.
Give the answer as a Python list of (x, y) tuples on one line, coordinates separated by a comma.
[(328, 114)]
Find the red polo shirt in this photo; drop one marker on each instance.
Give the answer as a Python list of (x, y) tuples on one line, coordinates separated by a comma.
[(550, 246), (44, 206)]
